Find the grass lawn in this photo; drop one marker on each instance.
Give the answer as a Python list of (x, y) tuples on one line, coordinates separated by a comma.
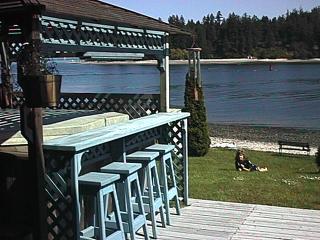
[(292, 181)]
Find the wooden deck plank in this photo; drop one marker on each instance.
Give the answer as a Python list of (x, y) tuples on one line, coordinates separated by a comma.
[(289, 222), (263, 234), (231, 208), (194, 202), (278, 230), (286, 217), (237, 221)]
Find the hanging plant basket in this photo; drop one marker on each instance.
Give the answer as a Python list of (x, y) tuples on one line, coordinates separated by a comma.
[(41, 91)]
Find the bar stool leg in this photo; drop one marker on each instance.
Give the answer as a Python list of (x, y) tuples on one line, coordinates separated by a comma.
[(129, 209), (117, 208), (101, 217), (175, 186), (158, 192), (141, 208), (151, 199), (165, 190)]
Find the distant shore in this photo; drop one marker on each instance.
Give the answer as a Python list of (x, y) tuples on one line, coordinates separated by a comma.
[(209, 61)]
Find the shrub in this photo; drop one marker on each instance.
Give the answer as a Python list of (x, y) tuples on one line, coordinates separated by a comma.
[(198, 136)]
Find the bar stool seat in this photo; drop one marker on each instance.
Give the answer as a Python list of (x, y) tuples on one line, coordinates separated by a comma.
[(167, 177), (100, 186), (98, 179), (129, 194), (161, 148), (151, 193)]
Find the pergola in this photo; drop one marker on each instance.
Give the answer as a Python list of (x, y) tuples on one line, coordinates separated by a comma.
[(73, 28)]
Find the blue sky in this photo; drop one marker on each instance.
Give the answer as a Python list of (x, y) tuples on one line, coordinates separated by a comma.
[(196, 9)]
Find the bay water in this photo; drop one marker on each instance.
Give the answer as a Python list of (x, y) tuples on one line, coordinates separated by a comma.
[(287, 96)]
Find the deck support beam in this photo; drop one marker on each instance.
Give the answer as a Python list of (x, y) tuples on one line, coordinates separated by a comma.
[(32, 129)]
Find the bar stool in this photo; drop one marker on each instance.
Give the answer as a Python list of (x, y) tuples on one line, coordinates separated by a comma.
[(100, 186), (128, 196), (167, 176), (151, 193)]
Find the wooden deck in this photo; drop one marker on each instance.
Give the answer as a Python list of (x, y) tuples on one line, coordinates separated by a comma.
[(205, 220)]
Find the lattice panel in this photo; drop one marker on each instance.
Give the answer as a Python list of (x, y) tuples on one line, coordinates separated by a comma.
[(142, 140), (58, 188), (97, 155), (60, 33), (174, 131), (135, 105)]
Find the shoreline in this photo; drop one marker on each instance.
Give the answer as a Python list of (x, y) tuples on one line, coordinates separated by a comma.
[(261, 134), (231, 143), (235, 61), (260, 138)]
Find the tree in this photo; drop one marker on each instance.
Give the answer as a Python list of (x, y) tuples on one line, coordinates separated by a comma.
[(295, 34), (219, 17), (198, 135)]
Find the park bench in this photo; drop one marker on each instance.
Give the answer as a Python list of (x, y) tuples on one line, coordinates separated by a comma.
[(297, 146)]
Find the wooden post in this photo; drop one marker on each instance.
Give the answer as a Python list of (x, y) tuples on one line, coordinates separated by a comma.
[(199, 77), (32, 130), (184, 123), (164, 79), (195, 69)]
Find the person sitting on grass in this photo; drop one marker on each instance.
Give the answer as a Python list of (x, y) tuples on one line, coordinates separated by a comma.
[(243, 164)]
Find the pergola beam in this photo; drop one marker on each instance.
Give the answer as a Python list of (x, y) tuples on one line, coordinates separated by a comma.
[(77, 37)]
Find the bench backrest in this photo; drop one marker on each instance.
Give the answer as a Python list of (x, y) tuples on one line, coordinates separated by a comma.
[(295, 144)]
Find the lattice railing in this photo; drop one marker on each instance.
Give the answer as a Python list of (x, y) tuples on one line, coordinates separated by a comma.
[(173, 135), (135, 105), (66, 36), (142, 140), (60, 190), (62, 34), (59, 195)]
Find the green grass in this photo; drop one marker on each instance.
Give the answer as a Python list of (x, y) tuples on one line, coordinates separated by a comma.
[(292, 181)]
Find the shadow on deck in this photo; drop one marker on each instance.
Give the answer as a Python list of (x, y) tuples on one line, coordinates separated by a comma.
[(221, 220)]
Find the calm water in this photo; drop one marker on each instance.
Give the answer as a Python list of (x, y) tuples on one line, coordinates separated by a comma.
[(288, 96)]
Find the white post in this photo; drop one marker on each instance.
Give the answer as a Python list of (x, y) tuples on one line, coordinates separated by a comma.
[(164, 79), (184, 126)]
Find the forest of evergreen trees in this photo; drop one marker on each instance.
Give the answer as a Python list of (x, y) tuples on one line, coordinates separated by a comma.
[(294, 35)]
